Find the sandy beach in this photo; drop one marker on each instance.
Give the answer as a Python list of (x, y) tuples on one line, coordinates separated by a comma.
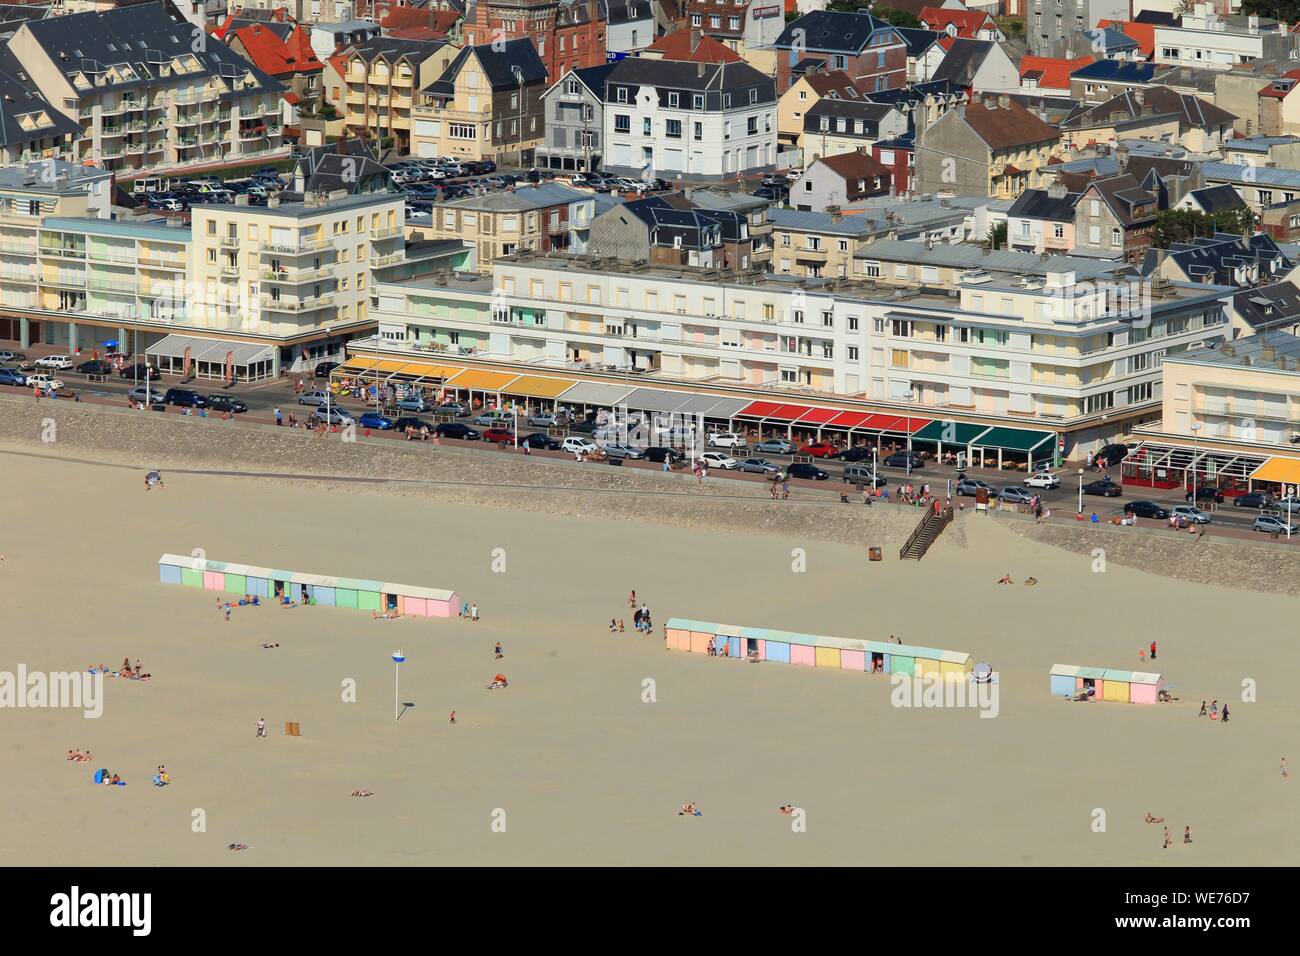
[(584, 770)]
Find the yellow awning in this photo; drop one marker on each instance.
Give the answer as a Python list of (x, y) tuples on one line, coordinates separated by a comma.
[(355, 365), (482, 380), (536, 386), (1285, 470)]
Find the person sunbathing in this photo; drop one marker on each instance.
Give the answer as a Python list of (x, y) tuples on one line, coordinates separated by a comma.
[(787, 810), (1151, 819), (1005, 579), (237, 846), (363, 793), (268, 647), (688, 810), (1031, 581), (72, 756), (386, 616)]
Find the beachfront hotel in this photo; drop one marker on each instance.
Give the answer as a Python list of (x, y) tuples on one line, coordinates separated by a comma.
[(1051, 352)]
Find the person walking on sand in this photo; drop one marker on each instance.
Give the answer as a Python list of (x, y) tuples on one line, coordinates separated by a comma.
[(1153, 650), (631, 598), (1202, 713), (1224, 718), (227, 613), (453, 717), (498, 651), (261, 727), (1285, 771), (1187, 835), (1167, 840), (473, 612)]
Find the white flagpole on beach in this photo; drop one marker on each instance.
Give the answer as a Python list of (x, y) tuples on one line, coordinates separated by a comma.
[(398, 658)]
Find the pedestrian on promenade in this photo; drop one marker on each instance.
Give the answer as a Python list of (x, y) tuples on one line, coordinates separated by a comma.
[(279, 417)]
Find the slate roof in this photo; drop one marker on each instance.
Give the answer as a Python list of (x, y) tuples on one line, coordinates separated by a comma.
[(832, 31), (1268, 306), (356, 170), (1116, 71), (1212, 199), (963, 60), (868, 114), (1039, 204), (498, 66), (19, 97), (1191, 111), (1123, 195), (1214, 259)]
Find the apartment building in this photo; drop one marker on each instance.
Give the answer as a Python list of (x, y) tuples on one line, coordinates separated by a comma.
[(30, 127), (834, 127), (487, 104), (294, 275), (817, 244), (381, 86), (1055, 352), (545, 218), (574, 120), (567, 34), (28, 194), (147, 93), (1114, 217), (993, 147), (869, 50), (1203, 37), (806, 92), (696, 120), (746, 27), (1051, 24)]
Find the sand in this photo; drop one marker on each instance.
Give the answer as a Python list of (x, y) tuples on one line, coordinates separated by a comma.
[(584, 770)]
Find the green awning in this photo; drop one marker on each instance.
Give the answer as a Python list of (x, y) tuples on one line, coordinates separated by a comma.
[(950, 432), (1013, 439)]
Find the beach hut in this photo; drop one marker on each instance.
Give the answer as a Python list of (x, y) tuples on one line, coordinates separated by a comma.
[(1145, 688), (1063, 679), (305, 588), (1117, 686)]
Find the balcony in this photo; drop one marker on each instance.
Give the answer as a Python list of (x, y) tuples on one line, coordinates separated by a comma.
[(64, 252), (190, 119), (307, 304), (133, 148), (64, 280), (27, 277), (229, 242), (302, 246), (112, 131), (230, 269), (132, 103), (112, 285), (119, 258), (296, 276), (388, 232), (160, 262), (19, 248), (252, 132), (85, 112), (812, 255), (387, 259)]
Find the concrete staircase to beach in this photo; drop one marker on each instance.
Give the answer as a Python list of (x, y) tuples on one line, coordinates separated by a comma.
[(927, 530)]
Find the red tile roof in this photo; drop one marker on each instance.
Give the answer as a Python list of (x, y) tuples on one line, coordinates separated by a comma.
[(441, 22), (278, 57), (677, 46), (968, 23), (1054, 72)]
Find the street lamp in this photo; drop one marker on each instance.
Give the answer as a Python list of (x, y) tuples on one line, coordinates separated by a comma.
[(909, 431), (1195, 427), (1080, 491), (398, 659)]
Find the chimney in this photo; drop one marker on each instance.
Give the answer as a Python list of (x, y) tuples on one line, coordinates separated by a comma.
[(1269, 353), (1056, 191), (273, 202), (1004, 101), (699, 69), (990, 102), (1121, 156), (837, 214)]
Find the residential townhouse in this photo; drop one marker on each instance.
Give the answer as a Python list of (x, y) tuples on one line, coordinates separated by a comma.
[(1042, 221), (833, 127), (1221, 259), (290, 59), (749, 28), (487, 104), (1156, 113), (925, 51), (994, 147), (979, 66), (567, 34), (1114, 218), (971, 24), (671, 231), (840, 182), (1050, 24), (690, 45), (695, 120), (755, 209), (805, 93), (1105, 79), (629, 25), (818, 245), (574, 120), (545, 218), (381, 93), (1260, 186), (147, 96), (1050, 76), (869, 50)]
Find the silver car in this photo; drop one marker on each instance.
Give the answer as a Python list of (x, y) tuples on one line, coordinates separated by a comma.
[(624, 451), (1274, 526), (759, 466), (143, 394), (332, 416), (776, 446), (543, 421), (1190, 513), (1016, 495)]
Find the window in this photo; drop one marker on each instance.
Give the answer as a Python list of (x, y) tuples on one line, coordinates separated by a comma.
[(871, 270), (733, 23), (672, 128), (1116, 237), (1058, 231), (622, 123), (697, 101), (674, 99), (646, 126), (698, 132), (853, 323), (696, 20), (726, 101), (572, 86), (901, 328), (751, 127), (796, 317), (853, 353), (620, 94), (753, 96), (842, 245), (828, 319), (460, 130)]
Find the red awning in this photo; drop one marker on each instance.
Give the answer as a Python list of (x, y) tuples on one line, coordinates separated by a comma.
[(849, 420), (758, 410), (818, 416), (788, 413)]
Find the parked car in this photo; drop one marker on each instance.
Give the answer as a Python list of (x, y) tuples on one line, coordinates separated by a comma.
[(586, 426), (1146, 509), (139, 371), (1103, 487), (56, 362), (333, 415), (1274, 526), (861, 474), (407, 421), (616, 450), (7, 356), (1205, 493), (1043, 479), (1190, 513), (971, 486), (43, 380), (455, 409), (540, 440), (224, 403), (143, 393), (185, 398), (11, 376), (543, 420), (457, 430), (323, 369), (500, 436), (576, 444), (1016, 495), (660, 453), (95, 367), (776, 446), (759, 466), (375, 420), (716, 459), (858, 453), (493, 418), (820, 449), (313, 398), (1251, 499), (899, 459), (803, 470), (726, 440), (412, 403)]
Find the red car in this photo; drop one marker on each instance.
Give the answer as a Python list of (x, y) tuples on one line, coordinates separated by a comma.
[(820, 449), (502, 436)]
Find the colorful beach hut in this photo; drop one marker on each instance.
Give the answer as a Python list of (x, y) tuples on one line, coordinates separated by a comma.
[(273, 584), (812, 650), (1130, 687)]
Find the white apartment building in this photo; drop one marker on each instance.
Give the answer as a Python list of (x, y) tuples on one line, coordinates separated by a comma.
[(704, 121), (1054, 350), (1210, 40)]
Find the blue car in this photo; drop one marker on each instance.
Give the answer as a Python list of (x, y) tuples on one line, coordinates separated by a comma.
[(375, 420), (11, 376)]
